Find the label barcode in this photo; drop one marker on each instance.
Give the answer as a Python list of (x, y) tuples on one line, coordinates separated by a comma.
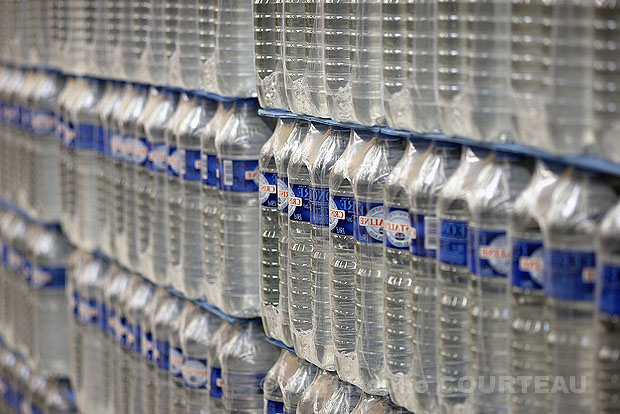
[(228, 172), (431, 226)]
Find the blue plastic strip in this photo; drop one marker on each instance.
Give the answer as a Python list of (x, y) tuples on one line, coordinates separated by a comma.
[(280, 344)]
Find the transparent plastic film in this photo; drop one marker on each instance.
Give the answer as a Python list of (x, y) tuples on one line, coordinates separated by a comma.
[(295, 55), (311, 395), (315, 59), (337, 16), (188, 43)]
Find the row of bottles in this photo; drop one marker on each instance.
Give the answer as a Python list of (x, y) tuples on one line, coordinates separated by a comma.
[(538, 73), (136, 348), (415, 267), (205, 45)]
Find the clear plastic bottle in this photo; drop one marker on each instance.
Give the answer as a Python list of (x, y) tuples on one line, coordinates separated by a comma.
[(102, 54), (188, 44), (237, 144), (207, 13), (300, 242), (299, 384), (607, 364), (367, 62), (315, 59), (188, 141), (272, 394), (398, 307), (342, 255), (343, 400), (371, 404), (214, 366), (337, 15), (177, 358), (270, 228), (452, 277), (198, 334), (294, 17), (313, 399), (157, 53), (368, 187), (234, 48), (280, 55), (127, 56), (527, 299), (490, 203), (155, 220), (577, 205), (246, 359), (282, 158), (331, 149), (264, 52), (210, 203), (171, 21)]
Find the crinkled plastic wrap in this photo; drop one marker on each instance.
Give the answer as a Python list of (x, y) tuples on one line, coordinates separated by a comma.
[(313, 399), (297, 386), (368, 187), (337, 15), (343, 400), (207, 13), (295, 54), (316, 104)]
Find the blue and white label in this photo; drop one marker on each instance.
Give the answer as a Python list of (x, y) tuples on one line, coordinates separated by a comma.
[(608, 286), (396, 226), (147, 345), (342, 215), (274, 407), (527, 264), (239, 176), (176, 361), (43, 122), (369, 222), (85, 138), (209, 170), (191, 165), (195, 374), (48, 277), (282, 194), (215, 382), (103, 318), (140, 151), (424, 232), (319, 206), (25, 119), (117, 145), (128, 149), (299, 202), (134, 338), (162, 354), (268, 189), (570, 275), (174, 161), (69, 135), (87, 311), (453, 242), (490, 252), (158, 157)]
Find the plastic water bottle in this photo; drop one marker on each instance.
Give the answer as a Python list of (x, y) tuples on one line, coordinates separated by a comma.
[(246, 359), (299, 383), (270, 228), (490, 203), (234, 49), (273, 402), (207, 13), (577, 205), (318, 393), (300, 242), (171, 21), (188, 43), (343, 262), (452, 67), (101, 53), (162, 325), (280, 57), (157, 53), (214, 366), (337, 15), (237, 144), (528, 326), (189, 143), (367, 63), (198, 334), (343, 400), (315, 59), (172, 223), (155, 220), (453, 361), (398, 305), (607, 363), (368, 183), (569, 101), (264, 52), (177, 393), (282, 158), (16, 234), (330, 151), (126, 59), (59, 398), (210, 203), (294, 19)]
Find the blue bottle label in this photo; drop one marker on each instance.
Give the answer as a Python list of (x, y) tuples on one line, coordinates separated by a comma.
[(319, 206), (608, 287), (69, 135), (35, 410), (112, 324), (282, 194), (134, 339), (396, 227), (100, 134), (191, 166), (11, 114), (209, 168), (268, 189), (299, 202), (158, 157), (48, 277), (240, 176), (123, 330), (88, 311), (25, 119), (527, 264), (147, 345), (43, 122), (141, 151), (341, 215), (15, 260), (453, 242), (424, 232), (128, 149), (174, 161), (117, 146), (570, 275), (162, 354), (85, 137), (215, 383), (195, 374), (275, 407), (490, 252), (176, 361), (368, 226), (103, 318)]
